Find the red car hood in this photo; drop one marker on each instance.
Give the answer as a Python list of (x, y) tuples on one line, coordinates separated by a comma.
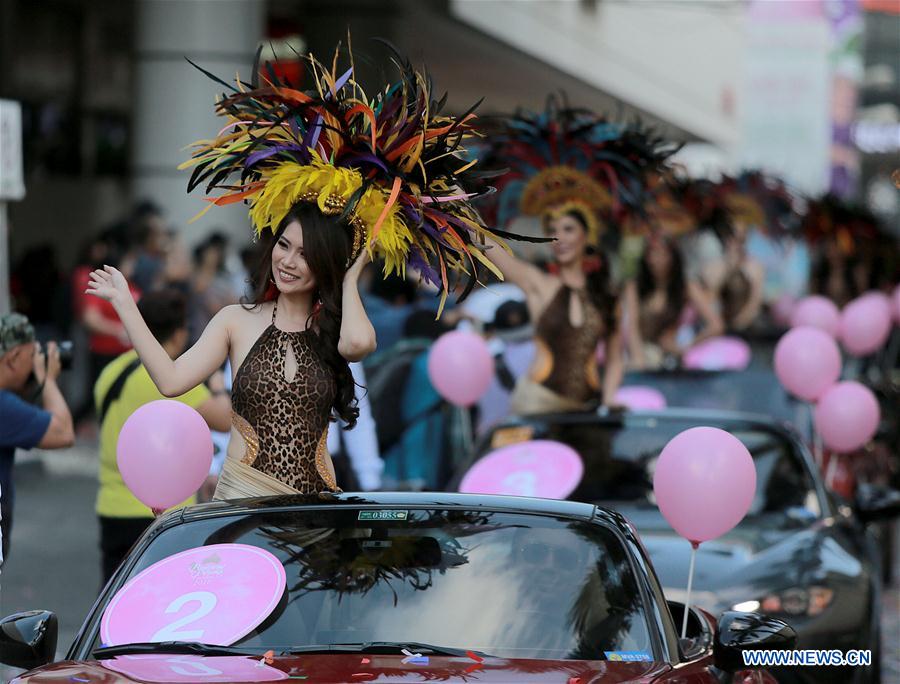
[(159, 668)]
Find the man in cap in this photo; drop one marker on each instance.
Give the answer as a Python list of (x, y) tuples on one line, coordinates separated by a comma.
[(22, 425)]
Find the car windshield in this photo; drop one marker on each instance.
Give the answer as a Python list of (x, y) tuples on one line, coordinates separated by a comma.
[(508, 585), (620, 457), (749, 391)]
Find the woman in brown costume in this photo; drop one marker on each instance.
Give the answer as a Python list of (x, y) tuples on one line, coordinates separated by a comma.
[(656, 302), (331, 179), (736, 280), (570, 167)]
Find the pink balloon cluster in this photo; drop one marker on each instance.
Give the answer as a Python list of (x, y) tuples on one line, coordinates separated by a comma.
[(847, 416), (807, 362), (862, 327), (704, 483), (164, 453), (460, 367), (866, 323), (808, 365), (817, 312)]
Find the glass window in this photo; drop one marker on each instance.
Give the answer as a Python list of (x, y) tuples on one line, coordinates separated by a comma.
[(514, 586)]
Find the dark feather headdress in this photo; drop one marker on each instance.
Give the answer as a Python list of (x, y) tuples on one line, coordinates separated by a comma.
[(567, 158)]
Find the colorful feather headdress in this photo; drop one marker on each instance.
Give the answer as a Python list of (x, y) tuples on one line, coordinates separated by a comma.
[(392, 167), (565, 159), (832, 219)]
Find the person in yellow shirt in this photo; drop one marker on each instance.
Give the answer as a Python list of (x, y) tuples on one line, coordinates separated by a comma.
[(124, 386)]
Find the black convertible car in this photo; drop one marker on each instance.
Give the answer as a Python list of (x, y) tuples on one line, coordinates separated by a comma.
[(403, 587), (800, 554)]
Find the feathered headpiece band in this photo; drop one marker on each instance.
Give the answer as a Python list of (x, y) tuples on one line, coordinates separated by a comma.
[(393, 167)]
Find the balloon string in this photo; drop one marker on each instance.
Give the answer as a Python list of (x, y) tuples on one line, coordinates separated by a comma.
[(818, 454), (832, 470), (687, 601)]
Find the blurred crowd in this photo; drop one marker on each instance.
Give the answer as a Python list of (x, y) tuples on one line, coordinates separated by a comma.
[(705, 258)]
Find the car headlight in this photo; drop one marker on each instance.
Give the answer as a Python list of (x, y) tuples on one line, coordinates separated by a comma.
[(809, 601)]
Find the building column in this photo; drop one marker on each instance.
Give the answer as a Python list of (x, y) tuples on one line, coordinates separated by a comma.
[(174, 101)]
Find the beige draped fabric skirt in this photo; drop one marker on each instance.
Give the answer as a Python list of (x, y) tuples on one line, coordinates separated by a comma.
[(240, 481), (530, 397)]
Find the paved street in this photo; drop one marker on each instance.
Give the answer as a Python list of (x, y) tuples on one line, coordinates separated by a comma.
[(54, 563)]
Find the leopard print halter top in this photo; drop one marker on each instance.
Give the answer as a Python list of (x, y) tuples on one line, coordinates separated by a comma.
[(565, 360), (285, 422)]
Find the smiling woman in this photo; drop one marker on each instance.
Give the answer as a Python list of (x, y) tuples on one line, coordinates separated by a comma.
[(332, 179)]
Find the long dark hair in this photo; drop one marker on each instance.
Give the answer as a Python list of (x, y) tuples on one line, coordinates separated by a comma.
[(734, 295), (326, 246), (675, 288), (598, 279), (820, 278)]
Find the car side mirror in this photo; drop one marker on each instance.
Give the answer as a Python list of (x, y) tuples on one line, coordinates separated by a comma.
[(28, 640), (738, 632), (875, 502)]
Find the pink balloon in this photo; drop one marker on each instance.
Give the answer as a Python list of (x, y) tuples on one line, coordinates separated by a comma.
[(782, 309), (847, 417), (718, 353), (164, 452), (807, 362), (704, 483), (817, 312), (640, 398), (866, 324), (460, 367)]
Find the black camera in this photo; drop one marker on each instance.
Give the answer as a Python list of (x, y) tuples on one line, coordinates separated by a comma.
[(66, 352)]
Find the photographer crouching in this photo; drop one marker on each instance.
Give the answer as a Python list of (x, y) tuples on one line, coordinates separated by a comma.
[(23, 425)]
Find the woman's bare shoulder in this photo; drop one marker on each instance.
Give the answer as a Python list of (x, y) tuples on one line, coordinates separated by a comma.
[(243, 312)]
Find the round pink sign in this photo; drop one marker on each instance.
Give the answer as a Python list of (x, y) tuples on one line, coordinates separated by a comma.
[(212, 594), (640, 398), (162, 667), (719, 353), (542, 468)]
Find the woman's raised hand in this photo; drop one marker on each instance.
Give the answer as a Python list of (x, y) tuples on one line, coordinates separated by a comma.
[(108, 283), (363, 260)]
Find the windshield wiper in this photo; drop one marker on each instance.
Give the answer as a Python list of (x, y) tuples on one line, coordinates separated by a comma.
[(189, 647), (391, 647)]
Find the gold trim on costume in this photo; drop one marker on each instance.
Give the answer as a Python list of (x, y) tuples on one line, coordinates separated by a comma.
[(251, 439), (542, 366), (593, 375), (324, 471)]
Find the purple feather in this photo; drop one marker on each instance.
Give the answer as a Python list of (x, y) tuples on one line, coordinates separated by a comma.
[(317, 127), (417, 261), (263, 154), (360, 159)]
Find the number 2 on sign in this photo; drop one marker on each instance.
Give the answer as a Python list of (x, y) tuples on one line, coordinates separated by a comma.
[(207, 601)]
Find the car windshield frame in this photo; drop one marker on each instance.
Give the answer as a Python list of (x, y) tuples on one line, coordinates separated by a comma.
[(649, 613)]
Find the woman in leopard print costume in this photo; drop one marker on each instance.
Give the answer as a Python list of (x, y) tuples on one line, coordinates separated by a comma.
[(291, 347), (332, 178)]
